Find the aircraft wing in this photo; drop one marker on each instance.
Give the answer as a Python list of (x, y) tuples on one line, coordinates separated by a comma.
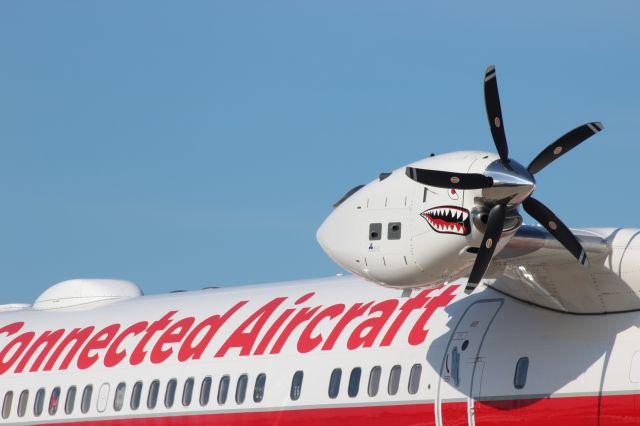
[(535, 268)]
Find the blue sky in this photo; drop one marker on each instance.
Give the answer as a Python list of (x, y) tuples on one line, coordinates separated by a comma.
[(186, 144)]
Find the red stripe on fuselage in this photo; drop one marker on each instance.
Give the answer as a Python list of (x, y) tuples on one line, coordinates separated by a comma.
[(614, 410), (389, 415), (454, 414)]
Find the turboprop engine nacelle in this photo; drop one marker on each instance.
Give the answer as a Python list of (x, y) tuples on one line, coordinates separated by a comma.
[(428, 222), (400, 233)]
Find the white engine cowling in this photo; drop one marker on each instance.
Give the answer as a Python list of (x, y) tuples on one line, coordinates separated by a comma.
[(400, 233)]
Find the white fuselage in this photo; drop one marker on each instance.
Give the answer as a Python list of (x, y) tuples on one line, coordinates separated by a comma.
[(438, 356)]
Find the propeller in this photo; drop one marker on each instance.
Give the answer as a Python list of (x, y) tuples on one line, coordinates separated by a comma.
[(489, 242), (494, 113), (563, 145), (513, 182), (450, 180)]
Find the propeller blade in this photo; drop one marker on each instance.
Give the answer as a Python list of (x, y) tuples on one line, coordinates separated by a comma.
[(442, 179), (549, 220), (494, 113), (563, 145), (490, 240)]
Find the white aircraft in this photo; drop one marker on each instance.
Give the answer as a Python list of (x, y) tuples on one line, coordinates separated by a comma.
[(479, 320)]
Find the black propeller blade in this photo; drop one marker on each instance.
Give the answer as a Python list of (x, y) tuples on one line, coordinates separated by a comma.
[(563, 145), (442, 179), (494, 113), (550, 221), (492, 234)]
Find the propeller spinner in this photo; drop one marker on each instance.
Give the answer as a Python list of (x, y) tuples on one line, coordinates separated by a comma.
[(510, 183)]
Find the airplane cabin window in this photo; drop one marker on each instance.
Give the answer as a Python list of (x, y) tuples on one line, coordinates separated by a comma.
[(375, 231), (374, 380), (6, 405), (296, 385), (223, 389), (334, 383), (241, 388), (520, 376), (170, 394), (70, 400), (136, 394), (38, 404), (394, 231), (85, 404), (152, 397), (258, 390), (22, 403), (187, 392), (54, 401), (205, 391), (354, 382), (394, 380), (118, 400), (414, 378), (455, 366)]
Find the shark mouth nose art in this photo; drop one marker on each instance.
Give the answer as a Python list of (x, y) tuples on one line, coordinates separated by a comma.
[(448, 220)]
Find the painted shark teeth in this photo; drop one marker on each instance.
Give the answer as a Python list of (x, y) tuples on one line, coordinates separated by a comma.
[(448, 220)]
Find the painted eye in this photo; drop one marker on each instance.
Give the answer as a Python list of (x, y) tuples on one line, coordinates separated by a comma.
[(453, 194)]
